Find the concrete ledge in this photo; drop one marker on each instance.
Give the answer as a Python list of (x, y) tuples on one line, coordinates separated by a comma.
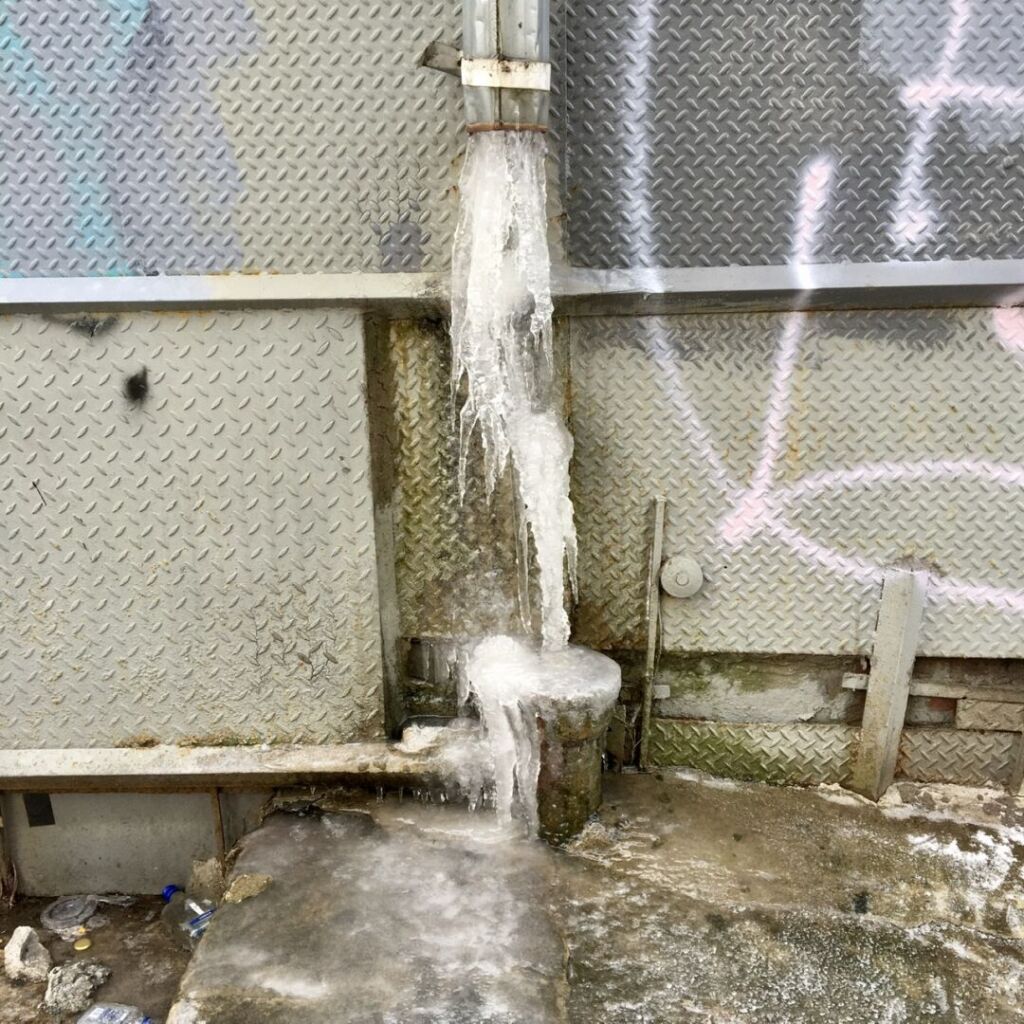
[(400, 294), (177, 769), (578, 291), (948, 691)]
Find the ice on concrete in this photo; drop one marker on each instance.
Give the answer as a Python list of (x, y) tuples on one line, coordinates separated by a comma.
[(372, 917), (463, 754), (684, 903), (515, 685), (502, 350)]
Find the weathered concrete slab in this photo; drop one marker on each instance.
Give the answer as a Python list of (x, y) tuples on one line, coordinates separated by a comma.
[(374, 917), (685, 902), (892, 664)]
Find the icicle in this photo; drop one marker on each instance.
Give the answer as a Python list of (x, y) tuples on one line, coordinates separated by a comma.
[(502, 349)]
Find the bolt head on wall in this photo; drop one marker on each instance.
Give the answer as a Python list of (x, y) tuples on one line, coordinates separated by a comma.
[(681, 576)]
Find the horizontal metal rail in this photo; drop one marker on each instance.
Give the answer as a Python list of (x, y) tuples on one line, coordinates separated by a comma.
[(181, 769), (578, 291)]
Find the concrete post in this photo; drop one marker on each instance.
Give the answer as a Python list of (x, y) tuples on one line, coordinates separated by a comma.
[(892, 664)]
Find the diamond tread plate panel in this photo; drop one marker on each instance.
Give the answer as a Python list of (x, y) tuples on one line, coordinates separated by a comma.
[(800, 455), (796, 754), (190, 136), (196, 565), (808, 754), (944, 755), (690, 129), (455, 560)]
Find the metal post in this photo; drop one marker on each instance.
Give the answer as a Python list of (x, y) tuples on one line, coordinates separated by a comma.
[(653, 616)]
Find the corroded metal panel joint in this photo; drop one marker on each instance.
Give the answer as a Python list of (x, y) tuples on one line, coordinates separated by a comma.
[(506, 74)]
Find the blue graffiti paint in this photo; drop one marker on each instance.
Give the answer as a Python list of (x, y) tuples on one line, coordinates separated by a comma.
[(113, 132), (23, 74)]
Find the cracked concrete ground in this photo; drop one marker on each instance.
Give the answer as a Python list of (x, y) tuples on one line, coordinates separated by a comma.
[(687, 901)]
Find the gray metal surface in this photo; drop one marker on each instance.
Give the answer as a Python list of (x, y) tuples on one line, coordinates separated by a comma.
[(801, 454), (517, 30), (196, 566), (807, 754), (455, 561), (577, 291), (182, 136), (690, 129), (793, 754)]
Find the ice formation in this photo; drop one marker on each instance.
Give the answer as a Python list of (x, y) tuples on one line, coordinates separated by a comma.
[(515, 685), (502, 353), (501, 347)]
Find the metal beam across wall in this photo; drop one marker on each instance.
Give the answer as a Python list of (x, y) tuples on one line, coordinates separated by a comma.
[(578, 291), (168, 768)]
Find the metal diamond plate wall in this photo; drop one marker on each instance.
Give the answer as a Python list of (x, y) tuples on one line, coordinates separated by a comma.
[(807, 754), (188, 535), (456, 568), (455, 561), (690, 129), (188, 136), (801, 454)]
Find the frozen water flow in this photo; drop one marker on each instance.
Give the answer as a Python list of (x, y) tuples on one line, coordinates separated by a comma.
[(501, 346), (518, 686), (502, 355)]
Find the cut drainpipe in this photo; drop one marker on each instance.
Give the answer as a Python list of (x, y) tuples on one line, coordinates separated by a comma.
[(506, 74)]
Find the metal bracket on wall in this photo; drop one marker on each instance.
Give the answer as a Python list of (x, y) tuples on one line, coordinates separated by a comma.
[(444, 57), (892, 664), (653, 615), (502, 73)]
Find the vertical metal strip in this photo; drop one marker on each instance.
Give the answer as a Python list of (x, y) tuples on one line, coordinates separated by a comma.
[(653, 616), (219, 838), (1016, 783)]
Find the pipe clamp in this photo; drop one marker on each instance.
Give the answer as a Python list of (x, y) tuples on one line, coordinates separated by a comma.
[(501, 73)]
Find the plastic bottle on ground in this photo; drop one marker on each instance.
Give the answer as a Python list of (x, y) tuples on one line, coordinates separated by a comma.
[(114, 1013), (185, 917)]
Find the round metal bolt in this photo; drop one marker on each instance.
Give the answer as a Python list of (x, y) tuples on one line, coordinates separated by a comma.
[(681, 576)]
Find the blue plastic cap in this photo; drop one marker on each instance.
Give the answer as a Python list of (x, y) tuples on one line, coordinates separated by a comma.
[(169, 890)]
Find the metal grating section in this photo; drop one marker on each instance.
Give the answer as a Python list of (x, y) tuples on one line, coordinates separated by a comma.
[(188, 531), (809, 754), (800, 455), (692, 129), (188, 136)]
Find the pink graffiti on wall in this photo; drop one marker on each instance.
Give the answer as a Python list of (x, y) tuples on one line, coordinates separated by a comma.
[(762, 507)]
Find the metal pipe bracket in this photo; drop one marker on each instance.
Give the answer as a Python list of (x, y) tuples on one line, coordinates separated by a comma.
[(502, 73)]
